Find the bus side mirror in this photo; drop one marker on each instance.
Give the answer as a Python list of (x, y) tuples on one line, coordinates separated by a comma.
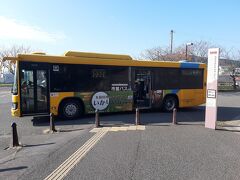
[(11, 89)]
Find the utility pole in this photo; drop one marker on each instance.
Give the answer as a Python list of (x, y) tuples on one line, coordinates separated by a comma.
[(171, 40), (188, 44)]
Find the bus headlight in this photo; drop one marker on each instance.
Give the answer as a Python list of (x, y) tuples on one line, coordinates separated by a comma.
[(14, 106)]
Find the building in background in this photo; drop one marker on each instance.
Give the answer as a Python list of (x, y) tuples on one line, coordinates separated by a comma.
[(224, 70), (6, 78)]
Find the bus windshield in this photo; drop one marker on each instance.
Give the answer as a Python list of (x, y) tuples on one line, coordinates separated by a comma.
[(15, 82)]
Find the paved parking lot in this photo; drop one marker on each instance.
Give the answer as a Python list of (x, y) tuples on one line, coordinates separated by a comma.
[(162, 150)]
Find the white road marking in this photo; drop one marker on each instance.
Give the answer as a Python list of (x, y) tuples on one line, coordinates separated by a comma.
[(132, 128), (5, 92), (3, 96), (121, 128), (74, 159)]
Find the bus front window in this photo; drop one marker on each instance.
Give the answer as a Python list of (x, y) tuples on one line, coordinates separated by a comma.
[(15, 82)]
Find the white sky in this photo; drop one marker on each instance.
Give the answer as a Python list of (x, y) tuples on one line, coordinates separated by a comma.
[(12, 29)]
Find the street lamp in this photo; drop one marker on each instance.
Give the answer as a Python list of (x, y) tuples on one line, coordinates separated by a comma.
[(188, 44)]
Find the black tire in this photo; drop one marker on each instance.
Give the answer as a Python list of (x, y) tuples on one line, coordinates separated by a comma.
[(169, 103), (71, 109)]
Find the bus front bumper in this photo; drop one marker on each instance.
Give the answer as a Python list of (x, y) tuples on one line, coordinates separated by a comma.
[(15, 110)]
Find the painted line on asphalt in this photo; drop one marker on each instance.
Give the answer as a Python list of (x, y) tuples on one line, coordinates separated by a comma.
[(121, 128), (5, 92), (74, 159)]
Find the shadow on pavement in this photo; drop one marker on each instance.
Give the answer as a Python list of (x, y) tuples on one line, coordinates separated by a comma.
[(34, 145), (13, 168), (228, 113), (190, 124), (146, 116), (44, 121), (185, 116)]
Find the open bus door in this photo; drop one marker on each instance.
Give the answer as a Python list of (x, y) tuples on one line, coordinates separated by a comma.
[(142, 89), (34, 89)]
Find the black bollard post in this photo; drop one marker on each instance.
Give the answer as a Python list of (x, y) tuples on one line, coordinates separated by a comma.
[(14, 135), (52, 123), (137, 117), (97, 121), (174, 119)]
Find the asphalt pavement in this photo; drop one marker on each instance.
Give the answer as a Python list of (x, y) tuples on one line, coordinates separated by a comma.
[(161, 151), (37, 145)]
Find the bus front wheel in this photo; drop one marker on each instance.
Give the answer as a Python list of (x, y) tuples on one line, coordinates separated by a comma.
[(71, 109), (169, 103)]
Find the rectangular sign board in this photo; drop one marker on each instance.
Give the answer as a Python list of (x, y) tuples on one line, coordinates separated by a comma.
[(211, 93), (212, 89)]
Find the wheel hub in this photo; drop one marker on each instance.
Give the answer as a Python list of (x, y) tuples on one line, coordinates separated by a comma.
[(71, 109)]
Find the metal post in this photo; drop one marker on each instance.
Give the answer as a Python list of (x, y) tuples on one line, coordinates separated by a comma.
[(14, 135), (171, 42), (174, 120), (52, 124), (97, 122), (137, 118)]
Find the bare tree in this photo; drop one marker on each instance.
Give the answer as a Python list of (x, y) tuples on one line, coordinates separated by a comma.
[(162, 54), (229, 53), (200, 48), (11, 52), (154, 54), (237, 55), (196, 52)]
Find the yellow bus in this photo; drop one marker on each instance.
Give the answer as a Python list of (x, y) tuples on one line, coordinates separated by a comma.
[(79, 83)]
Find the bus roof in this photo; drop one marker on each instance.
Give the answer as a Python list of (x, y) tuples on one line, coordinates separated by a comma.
[(97, 55), (74, 57)]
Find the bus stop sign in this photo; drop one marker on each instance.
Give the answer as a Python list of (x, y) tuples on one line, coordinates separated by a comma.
[(212, 83)]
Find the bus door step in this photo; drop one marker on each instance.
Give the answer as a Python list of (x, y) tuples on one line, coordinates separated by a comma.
[(143, 103)]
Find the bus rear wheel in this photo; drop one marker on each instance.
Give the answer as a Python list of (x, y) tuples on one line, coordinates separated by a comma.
[(169, 103), (71, 109)]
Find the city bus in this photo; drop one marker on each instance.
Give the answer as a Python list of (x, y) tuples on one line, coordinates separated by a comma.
[(78, 83)]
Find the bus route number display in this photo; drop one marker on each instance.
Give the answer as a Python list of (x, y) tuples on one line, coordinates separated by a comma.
[(98, 73)]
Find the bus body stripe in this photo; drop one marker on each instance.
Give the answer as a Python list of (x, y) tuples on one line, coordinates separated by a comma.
[(174, 91), (189, 65), (171, 91)]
